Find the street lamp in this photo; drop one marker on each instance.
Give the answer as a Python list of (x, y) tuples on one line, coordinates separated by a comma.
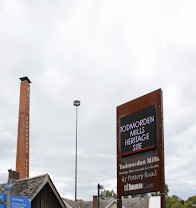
[(99, 187), (76, 103)]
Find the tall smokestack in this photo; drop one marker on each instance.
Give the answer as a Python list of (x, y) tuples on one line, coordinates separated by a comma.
[(22, 155)]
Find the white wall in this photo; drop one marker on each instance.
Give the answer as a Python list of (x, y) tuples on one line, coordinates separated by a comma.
[(155, 202)]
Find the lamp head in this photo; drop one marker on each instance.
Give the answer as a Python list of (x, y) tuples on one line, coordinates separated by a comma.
[(76, 102), (100, 186)]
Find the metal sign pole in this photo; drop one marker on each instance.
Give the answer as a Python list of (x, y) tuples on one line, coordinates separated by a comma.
[(119, 202), (98, 196), (162, 200)]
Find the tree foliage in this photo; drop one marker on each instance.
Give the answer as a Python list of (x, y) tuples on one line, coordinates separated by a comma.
[(176, 202), (188, 204), (107, 194), (192, 199), (166, 189)]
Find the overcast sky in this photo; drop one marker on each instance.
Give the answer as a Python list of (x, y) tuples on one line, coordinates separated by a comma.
[(104, 53)]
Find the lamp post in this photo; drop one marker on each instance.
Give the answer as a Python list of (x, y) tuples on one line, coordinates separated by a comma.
[(76, 103), (99, 187)]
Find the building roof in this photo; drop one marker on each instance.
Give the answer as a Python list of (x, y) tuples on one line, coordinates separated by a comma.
[(78, 204), (30, 187), (25, 187), (126, 203), (86, 204)]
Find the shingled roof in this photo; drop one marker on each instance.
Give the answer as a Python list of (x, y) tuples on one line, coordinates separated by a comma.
[(86, 204), (25, 187), (126, 202), (78, 204), (30, 187)]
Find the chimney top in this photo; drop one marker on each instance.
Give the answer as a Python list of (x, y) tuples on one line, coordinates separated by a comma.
[(13, 174), (25, 79)]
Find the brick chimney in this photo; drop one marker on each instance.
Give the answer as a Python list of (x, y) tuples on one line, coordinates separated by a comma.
[(22, 155), (95, 202), (13, 176)]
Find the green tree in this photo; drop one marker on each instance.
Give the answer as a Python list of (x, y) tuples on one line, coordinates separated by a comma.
[(176, 197), (166, 189), (169, 201), (177, 202), (173, 202), (192, 199), (177, 205), (187, 204), (107, 194)]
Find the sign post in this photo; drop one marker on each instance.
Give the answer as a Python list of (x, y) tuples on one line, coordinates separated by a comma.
[(11, 201), (20, 202), (2, 197), (140, 147), (7, 190), (2, 200)]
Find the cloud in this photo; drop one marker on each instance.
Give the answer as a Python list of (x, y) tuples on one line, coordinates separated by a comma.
[(104, 53)]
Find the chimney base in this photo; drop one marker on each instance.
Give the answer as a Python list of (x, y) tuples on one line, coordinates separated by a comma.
[(95, 202), (13, 176)]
